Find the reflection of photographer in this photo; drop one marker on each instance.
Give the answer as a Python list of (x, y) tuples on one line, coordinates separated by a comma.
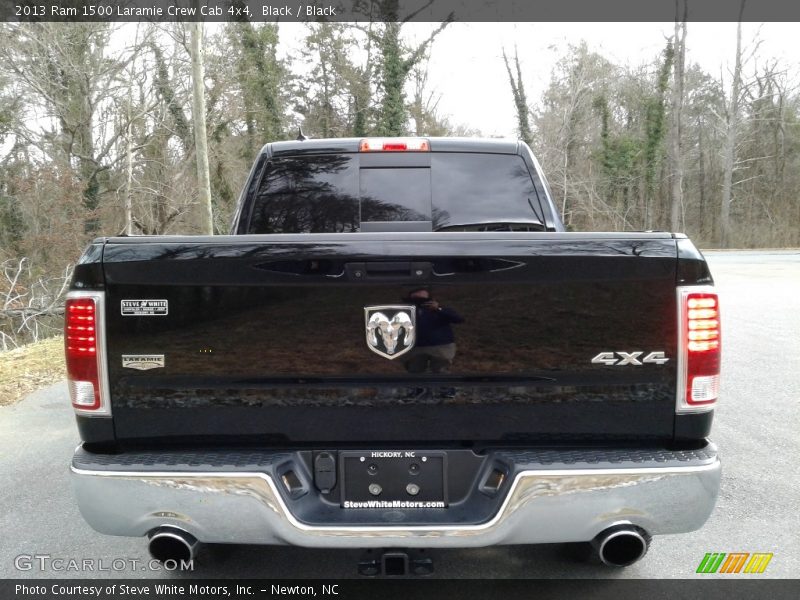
[(435, 348)]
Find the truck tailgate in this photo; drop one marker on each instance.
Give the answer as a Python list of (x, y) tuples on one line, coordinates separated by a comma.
[(264, 338)]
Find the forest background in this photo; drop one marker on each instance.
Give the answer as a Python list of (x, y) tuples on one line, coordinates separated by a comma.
[(141, 128)]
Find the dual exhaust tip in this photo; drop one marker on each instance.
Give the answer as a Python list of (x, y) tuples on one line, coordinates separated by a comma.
[(172, 544), (618, 546), (621, 545)]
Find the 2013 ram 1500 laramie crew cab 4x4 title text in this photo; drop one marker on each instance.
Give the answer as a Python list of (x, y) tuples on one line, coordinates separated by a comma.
[(397, 346)]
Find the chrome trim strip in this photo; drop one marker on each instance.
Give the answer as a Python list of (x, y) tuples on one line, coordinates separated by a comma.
[(102, 362), (171, 534), (681, 407), (607, 497)]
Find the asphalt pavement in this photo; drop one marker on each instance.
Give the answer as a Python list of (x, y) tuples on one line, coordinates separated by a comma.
[(757, 428)]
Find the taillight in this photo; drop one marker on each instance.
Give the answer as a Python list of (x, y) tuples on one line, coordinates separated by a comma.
[(699, 349), (394, 145), (83, 321)]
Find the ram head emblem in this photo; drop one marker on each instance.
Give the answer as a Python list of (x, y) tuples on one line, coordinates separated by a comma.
[(390, 329)]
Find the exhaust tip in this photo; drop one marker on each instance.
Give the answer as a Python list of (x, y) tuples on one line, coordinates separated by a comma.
[(621, 546), (169, 543)]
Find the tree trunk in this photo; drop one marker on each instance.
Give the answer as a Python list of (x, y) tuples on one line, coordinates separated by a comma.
[(520, 99), (729, 149), (676, 168), (206, 220), (129, 176), (565, 180), (701, 183)]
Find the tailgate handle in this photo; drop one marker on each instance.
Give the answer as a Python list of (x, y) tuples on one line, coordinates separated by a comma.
[(388, 270)]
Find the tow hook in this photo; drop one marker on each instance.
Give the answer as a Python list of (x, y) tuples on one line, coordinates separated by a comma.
[(395, 563)]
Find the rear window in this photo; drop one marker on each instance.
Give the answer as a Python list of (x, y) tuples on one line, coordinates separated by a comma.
[(334, 193), (483, 188), (309, 194), (392, 194)]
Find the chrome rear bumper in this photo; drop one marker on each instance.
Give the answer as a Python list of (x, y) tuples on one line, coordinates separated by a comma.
[(546, 504)]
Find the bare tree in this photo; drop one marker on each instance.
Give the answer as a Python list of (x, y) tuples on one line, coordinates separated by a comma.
[(423, 107), (675, 155), (731, 132), (67, 73), (562, 123), (30, 307)]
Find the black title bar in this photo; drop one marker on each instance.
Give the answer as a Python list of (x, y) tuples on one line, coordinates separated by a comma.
[(399, 10), (732, 588)]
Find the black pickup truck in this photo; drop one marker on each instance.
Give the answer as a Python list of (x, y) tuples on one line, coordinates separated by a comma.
[(399, 345)]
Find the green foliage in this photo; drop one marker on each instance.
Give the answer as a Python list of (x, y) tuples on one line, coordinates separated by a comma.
[(599, 128), (330, 97), (655, 109), (164, 87), (601, 131), (393, 116), (631, 152), (259, 76), (619, 153), (396, 62)]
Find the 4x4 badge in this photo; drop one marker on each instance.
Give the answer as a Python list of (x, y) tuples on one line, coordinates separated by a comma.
[(391, 329), (620, 358)]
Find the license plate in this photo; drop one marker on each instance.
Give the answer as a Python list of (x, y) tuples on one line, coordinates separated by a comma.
[(393, 479)]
